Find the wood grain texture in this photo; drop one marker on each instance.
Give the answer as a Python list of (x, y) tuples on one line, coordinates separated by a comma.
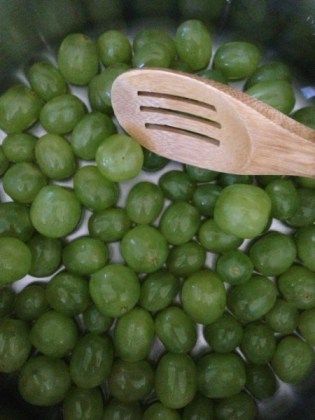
[(207, 124)]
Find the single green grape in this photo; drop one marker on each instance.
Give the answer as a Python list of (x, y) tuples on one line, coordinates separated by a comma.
[(220, 375), (117, 410), (78, 59), (55, 212), (68, 294), (144, 203), (305, 214), (252, 300), (264, 180), (305, 182), (15, 221), (277, 93), (158, 290), (31, 302), (114, 48), (153, 162), (283, 317), (19, 147), (214, 239), (260, 381), (237, 60), (273, 253), (83, 403), (305, 242), (234, 267), (203, 296), (100, 87), (85, 255), (158, 411), (179, 223), (176, 330), (185, 259), (175, 380), (44, 381), (115, 290), (242, 210), (213, 74), (258, 343), (149, 36), (4, 162), (7, 301), (109, 225), (200, 175), (46, 255), (306, 325), (305, 116), (206, 10), (54, 334), (144, 249), (23, 181), (55, 157), (284, 198), (297, 286), (200, 408), (240, 406), (119, 158), (89, 133), (19, 109), (224, 334), (93, 190), (293, 360), (133, 335), (229, 179), (61, 114), (91, 360), (194, 44), (130, 381), (177, 186), (94, 321), (46, 80), (15, 260), (275, 70), (204, 198), (154, 54), (15, 346)]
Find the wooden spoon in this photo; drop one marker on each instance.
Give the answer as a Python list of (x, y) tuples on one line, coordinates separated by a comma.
[(207, 124)]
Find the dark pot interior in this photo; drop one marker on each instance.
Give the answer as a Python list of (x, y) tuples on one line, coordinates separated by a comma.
[(287, 27)]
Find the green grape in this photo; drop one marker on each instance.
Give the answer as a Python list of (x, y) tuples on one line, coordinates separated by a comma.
[(85, 255), (115, 290), (68, 293), (15, 260), (83, 403), (133, 335), (175, 380), (19, 109), (78, 59), (203, 296), (44, 381), (130, 381), (46, 80), (31, 302), (144, 249), (91, 360), (15, 346), (23, 181), (93, 190), (19, 147)]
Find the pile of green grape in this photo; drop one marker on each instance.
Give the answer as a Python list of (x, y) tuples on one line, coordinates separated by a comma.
[(86, 339)]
